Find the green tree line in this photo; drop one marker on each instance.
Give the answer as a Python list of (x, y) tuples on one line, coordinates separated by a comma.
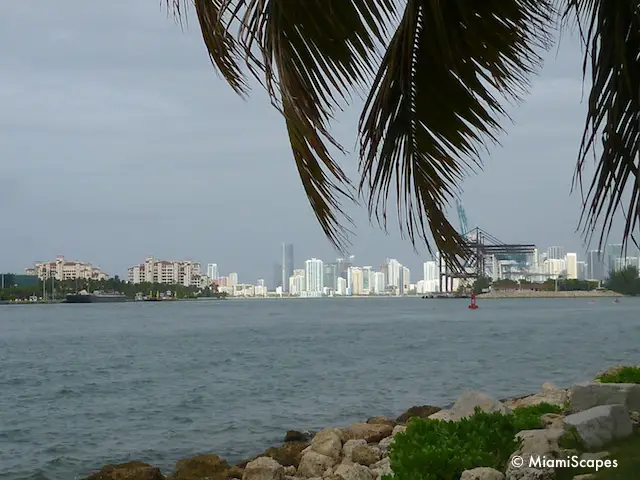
[(625, 281), (58, 290)]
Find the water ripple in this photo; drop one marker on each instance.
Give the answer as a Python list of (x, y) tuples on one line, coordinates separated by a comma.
[(82, 386)]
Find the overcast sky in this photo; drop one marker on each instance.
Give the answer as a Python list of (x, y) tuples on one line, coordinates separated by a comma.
[(118, 141)]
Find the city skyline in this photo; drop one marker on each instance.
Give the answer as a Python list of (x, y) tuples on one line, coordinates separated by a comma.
[(554, 249), (347, 276)]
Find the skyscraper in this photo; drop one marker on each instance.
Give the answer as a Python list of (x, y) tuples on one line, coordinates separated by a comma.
[(330, 276), (595, 265), (287, 265), (277, 276), (556, 253), (313, 277), (212, 271), (571, 264)]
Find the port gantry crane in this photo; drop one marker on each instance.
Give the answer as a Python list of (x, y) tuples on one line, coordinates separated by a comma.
[(480, 246)]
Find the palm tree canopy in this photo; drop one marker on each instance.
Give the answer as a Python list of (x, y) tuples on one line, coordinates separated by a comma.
[(435, 75)]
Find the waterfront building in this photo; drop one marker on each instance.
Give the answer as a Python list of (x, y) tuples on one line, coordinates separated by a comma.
[(571, 262), (61, 269), (379, 287), (212, 271), (297, 284), (184, 272), (313, 277), (596, 265), (233, 279), (357, 280), (555, 253), (287, 264), (341, 286)]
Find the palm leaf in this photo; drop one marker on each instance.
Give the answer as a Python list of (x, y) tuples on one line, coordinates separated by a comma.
[(611, 32), (435, 102)]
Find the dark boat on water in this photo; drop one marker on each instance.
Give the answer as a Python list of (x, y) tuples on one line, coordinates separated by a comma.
[(95, 297)]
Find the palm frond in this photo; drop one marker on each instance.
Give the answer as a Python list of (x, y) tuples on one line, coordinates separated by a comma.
[(434, 105), (309, 55), (611, 32)]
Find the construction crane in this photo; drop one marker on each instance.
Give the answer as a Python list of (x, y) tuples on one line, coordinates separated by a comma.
[(462, 216)]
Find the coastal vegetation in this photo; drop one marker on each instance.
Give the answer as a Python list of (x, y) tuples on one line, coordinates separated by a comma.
[(57, 290), (621, 375), (436, 77), (625, 281), (441, 450)]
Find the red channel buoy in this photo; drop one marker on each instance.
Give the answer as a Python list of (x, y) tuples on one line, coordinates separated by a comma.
[(473, 305)]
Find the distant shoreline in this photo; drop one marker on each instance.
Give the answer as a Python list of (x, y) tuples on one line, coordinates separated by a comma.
[(542, 294)]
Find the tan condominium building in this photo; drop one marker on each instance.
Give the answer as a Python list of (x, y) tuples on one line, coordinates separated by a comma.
[(61, 269), (183, 272)]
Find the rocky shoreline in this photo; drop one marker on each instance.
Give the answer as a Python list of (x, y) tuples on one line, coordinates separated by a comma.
[(592, 413)]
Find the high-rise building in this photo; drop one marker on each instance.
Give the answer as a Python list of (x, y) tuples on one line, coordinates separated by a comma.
[(313, 277), (277, 276), (613, 252), (406, 280), (61, 269), (185, 273), (341, 286), (556, 253), (357, 280), (233, 279), (367, 279), (431, 281), (287, 265), (379, 286), (582, 270), (393, 268), (595, 265), (297, 283), (330, 276), (212, 271), (571, 262)]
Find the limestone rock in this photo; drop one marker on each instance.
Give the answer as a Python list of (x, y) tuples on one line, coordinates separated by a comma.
[(383, 467), (541, 442), (296, 436), (598, 426), (465, 406), (421, 411), (314, 464), (347, 449), (523, 470), (385, 445), (263, 468), (365, 455), (327, 442), (549, 394), (369, 432), (287, 454), (381, 421), (593, 394), (353, 472), (290, 470), (594, 456), (398, 429), (482, 473), (552, 420), (128, 471), (204, 466)]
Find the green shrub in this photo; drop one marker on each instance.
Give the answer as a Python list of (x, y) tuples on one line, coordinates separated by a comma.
[(624, 375), (439, 450)]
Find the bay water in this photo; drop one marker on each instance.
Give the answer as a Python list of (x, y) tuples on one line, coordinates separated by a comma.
[(82, 386)]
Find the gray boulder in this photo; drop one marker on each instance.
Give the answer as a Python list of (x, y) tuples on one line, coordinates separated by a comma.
[(600, 425), (593, 394)]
